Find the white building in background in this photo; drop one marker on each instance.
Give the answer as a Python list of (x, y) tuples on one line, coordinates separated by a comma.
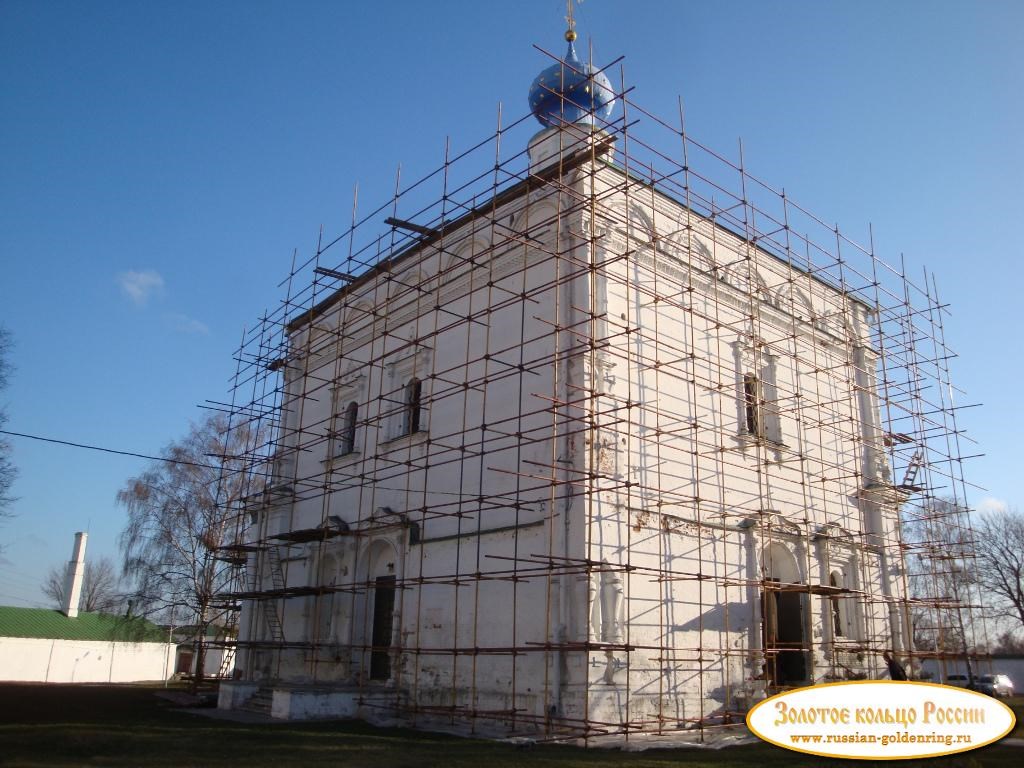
[(585, 459), (72, 646)]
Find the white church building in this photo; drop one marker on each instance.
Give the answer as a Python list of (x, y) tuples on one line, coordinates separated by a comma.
[(597, 453)]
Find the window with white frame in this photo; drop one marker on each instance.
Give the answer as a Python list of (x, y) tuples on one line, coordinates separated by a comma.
[(842, 607), (752, 423), (348, 394), (835, 581), (412, 406), (406, 394), (346, 437), (757, 400)]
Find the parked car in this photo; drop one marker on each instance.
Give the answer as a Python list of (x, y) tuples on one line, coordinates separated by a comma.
[(960, 681), (994, 685)]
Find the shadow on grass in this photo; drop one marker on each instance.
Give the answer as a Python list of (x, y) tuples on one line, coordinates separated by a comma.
[(109, 725)]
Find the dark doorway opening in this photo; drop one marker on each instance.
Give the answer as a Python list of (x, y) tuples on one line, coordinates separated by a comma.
[(383, 623), (782, 614), (184, 666)]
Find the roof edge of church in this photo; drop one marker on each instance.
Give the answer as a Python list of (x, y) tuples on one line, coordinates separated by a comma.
[(534, 179), (542, 177)]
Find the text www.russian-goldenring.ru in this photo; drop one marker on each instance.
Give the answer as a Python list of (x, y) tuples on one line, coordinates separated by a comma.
[(884, 740)]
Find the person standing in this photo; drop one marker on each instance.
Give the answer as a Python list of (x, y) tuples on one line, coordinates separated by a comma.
[(896, 670)]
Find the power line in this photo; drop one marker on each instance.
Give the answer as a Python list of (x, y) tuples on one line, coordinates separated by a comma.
[(107, 450), (226, 470)]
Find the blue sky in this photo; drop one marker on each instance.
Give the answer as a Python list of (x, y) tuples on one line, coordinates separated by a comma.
[(161, 162)]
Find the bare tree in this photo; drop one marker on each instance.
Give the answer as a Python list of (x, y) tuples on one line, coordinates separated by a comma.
[(7, 470), (1000, 565), (181, 511), (941, 577), (1009, 643), (99, 586)]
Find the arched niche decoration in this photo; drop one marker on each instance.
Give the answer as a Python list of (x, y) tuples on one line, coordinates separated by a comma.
[(409, 285), (745, 278), (794, 300), (633, 222), (329, 601), (464, 255), (357, 314), (688, 249), (323, 335), (539, 217), (838, 324)]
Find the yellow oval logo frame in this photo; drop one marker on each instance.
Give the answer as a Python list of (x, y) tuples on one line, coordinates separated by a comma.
[(880, 720)]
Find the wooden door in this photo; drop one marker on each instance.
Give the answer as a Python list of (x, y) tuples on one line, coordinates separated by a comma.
[(383, 624)]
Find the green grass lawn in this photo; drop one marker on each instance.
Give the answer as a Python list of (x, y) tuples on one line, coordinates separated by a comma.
[(99, 725)]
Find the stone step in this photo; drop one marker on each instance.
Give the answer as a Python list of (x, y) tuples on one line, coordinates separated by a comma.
[(261, 701)]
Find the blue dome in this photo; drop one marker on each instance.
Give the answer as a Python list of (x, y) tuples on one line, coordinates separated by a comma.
[(571, 92)]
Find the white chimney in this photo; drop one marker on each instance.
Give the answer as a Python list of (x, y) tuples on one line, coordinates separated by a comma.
[(76, 572)]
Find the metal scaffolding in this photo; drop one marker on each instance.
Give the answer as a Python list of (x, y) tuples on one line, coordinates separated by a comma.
[(624, 365)]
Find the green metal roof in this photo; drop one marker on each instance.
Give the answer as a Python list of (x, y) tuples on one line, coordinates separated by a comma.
[(54, 625)]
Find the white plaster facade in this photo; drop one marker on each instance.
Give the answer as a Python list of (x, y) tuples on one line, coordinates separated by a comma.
[(602, 460)]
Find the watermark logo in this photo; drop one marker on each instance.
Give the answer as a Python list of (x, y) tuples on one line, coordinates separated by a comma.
[(881, 720)]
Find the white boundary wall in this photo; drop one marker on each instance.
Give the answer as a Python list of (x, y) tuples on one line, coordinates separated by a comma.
[(25, 659), (213, 663), (1000, 665)]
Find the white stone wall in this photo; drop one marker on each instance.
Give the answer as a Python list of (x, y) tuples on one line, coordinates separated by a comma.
[(79, 661), (462, 325), (935, 671), (584, 429), (687, 498)]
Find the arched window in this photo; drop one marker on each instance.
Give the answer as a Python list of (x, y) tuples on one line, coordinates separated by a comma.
[(752, 405), (413, 406), (758, 403), (835, 580), (348, 428)]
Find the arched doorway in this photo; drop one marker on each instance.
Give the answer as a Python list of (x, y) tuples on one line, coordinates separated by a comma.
[(783, 607), (377, 625)]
